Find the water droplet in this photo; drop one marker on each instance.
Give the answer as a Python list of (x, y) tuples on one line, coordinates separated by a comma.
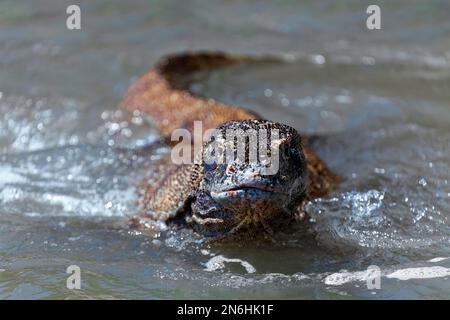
[(318, 59), (423, 182), (73, 140), (126, 132), (285, 102), (268, 93), (370, 61), (105, 115), (344, 99)]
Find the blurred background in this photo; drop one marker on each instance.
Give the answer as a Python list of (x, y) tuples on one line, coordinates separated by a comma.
[(69, 170)]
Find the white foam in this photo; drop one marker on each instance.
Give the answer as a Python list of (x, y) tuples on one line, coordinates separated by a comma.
[(7, 176), (438, 259), (420, 273), (341, 278), (218, 263)]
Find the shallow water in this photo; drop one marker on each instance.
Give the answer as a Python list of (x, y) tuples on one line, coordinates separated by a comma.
[(70, 162)]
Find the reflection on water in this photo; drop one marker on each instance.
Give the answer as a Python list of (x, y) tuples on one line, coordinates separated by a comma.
[(70, 162)]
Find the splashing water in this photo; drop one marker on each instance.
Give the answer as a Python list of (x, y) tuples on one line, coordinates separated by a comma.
[(70, 162)]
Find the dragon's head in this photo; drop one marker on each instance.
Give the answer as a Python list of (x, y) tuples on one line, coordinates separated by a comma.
[(254, 179)]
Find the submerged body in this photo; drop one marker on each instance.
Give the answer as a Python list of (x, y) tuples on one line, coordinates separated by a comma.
[(221, 199)]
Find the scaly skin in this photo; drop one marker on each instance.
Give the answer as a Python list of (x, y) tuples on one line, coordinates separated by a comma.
[(187, 194)]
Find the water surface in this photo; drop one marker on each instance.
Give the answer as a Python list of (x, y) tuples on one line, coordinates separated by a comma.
[(70, 162)]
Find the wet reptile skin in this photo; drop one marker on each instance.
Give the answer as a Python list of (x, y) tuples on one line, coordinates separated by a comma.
[(187, 194)]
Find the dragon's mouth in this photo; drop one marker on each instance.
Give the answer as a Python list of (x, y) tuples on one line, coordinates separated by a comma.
[(249, 186), (244, 190)]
